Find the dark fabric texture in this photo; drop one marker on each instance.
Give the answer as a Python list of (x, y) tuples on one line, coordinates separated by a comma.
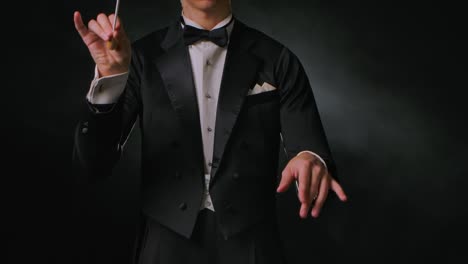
[(258, 245), (160, 93)]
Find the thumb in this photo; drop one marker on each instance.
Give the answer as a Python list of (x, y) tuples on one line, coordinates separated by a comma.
[(120, 41), (287, 177)]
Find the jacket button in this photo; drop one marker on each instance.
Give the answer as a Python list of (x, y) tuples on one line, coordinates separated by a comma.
[(183, 206), (175, 144), (84, 130), (178, 175), (235, 176)]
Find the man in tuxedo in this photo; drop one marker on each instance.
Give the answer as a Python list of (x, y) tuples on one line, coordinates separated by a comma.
[(216, 101)]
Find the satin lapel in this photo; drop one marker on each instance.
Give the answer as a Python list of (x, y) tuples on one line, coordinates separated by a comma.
[(175, 69), (240, 71)]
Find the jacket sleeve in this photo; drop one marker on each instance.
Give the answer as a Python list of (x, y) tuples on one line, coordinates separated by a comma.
[(301, 126), (100, 136)]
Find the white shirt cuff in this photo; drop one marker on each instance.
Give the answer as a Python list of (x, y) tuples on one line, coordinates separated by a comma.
[(106, 90), (316, 155)]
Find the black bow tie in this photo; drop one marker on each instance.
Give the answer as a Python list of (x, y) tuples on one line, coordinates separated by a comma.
[(218, 36)]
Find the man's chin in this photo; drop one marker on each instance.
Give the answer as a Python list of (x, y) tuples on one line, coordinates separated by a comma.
[(206, 5)]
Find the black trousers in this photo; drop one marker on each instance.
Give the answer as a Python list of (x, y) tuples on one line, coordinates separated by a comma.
[(158, 244)]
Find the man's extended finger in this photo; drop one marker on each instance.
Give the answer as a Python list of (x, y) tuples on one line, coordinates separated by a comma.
[(96, 28), (79, 25), (105, 24), (336, 187), (322, 196), (304, 189), (287, 178), (304, 184), (317, 175)]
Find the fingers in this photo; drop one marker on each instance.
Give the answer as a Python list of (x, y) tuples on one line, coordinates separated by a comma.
[(336, 187), (304, 189), (119, 33), (105, 24), (117, 23), (314, 181), (79, 25), (97, 29), (287, 178), (317, 175), (322, 196)]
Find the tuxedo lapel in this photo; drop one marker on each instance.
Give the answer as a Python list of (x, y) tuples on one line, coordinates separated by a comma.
[(239, 74), (176, 73)]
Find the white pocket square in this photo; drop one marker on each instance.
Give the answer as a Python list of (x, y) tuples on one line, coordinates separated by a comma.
[(266, 87)]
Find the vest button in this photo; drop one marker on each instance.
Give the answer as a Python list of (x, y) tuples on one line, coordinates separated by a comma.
[(183, 206)]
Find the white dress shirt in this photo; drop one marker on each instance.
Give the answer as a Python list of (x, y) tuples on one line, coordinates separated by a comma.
[(207, 61)]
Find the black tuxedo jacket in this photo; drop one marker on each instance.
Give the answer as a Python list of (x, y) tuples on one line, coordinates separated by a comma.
[(160, 92)]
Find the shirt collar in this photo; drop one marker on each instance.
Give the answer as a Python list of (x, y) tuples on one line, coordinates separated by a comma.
[(224, 22)]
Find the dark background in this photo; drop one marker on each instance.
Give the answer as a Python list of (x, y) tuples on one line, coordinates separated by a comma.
[(388, 80)]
